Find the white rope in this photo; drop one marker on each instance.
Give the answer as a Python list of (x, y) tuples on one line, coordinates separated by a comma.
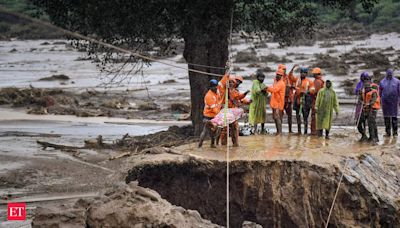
[(227, 129), (336, 193), (104, 44)]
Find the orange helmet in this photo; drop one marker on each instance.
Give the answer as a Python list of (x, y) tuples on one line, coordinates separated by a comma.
[(239, 78), (316, 70), (280, 72), (281, 66)]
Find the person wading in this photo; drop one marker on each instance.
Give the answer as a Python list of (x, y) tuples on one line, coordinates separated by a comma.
[(290, 82), (389, 90), (371, 105), (212, 107), (257, 112), (302, 99), (277, 100), (325, 104), (318, 84)]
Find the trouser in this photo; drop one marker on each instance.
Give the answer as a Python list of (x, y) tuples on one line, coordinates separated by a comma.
[(391, 124), (372, 128), (321, 132), (361, 123), (288, 110), (206, 129), (233, 132), (305, 111), (277, 116), (313, 120)]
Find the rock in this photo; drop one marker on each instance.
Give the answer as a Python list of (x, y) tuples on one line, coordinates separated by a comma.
[(59, 43), (13, 50), (180, 108), (120, 208), (45, 43), (61, 77), (247, 224), (149, 105)]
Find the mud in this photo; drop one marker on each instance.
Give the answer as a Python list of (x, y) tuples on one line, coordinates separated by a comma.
[(120, 206), (90, 103), (277, 193)]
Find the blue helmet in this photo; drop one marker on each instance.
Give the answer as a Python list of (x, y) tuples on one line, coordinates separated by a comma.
[(213, 82), (304, 70), (364, 75)]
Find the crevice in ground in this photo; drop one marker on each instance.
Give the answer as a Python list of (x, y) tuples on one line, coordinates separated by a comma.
[(274, 193)]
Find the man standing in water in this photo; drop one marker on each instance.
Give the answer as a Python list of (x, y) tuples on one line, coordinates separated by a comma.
[(371, 105), (325, 104), (302, 99), (290, 82), (257, 112), (318, 84), (389, 90), (277, 100)]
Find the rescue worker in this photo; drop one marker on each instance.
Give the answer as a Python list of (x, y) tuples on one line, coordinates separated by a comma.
[(234, 100), (302, 99), (277, 102), (364, 77), (290, 83), (371, 106), (325, 104), (389, 90), (318, 84), (257, 113), (211, 109)]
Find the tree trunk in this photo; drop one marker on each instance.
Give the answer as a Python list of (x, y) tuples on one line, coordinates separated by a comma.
[(204, 48)]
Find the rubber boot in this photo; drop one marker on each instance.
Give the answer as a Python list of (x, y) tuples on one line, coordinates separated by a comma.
[(202, 136), (394, 126), (234, 134), (327, 134), (299, 129), (319, 133)]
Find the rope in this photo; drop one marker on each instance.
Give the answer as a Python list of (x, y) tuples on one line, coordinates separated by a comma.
[(336, 193), (104, 44), (227, 126)]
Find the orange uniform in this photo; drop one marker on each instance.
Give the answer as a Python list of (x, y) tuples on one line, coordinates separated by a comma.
[(211, 104), (302, 86), (277, 95), (318, 84), (368, 97)]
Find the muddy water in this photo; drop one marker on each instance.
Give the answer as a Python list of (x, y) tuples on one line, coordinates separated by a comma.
[(343, 143)]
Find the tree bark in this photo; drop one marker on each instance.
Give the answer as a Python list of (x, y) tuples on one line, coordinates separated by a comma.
[(204, 48)]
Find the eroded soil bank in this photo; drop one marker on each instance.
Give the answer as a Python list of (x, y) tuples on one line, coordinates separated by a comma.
[(277, 193)]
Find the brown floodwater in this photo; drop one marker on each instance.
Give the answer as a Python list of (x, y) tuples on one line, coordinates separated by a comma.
[(343, 143)]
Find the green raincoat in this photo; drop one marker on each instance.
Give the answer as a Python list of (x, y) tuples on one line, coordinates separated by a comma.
[(257, 113), (325, 104)]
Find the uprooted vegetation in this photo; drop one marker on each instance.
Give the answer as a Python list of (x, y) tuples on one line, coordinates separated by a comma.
[(90, 103)]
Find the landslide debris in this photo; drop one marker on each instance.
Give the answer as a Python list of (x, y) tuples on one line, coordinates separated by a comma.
[(90, 103), (122, 206), (278, 193)]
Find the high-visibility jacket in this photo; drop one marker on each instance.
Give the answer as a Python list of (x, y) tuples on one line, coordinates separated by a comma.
[(318, 84), (277, 95), (302, 86), (290, 83), (212, 105), (368, 99)]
